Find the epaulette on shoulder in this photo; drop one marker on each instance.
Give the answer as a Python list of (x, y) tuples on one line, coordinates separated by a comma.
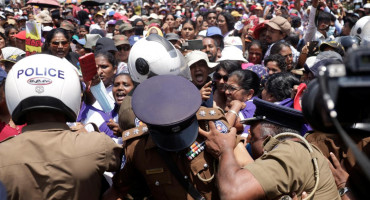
[(205, 113), (134, 132)]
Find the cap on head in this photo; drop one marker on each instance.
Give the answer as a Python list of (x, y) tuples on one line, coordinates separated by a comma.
[(280, 23), (172, 122), (214, 31), (43, 82), (333, 44), (120, 40), (276, 114), (155, 55), (196, 56), (105, 44)]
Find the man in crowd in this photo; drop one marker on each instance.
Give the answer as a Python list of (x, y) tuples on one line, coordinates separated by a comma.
[(211, 48), (276, 171)]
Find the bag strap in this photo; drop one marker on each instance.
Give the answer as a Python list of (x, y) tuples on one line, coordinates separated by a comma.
[(183, 180)]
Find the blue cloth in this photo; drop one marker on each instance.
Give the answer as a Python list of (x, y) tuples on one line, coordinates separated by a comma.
[(89, 113), (289, 102), (248, 112)]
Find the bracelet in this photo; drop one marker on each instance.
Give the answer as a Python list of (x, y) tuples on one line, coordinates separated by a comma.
[(233, 112)]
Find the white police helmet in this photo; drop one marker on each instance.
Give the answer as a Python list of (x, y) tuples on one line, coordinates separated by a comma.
[(358, 28), (365, 35), (42, 82), (153, 56)]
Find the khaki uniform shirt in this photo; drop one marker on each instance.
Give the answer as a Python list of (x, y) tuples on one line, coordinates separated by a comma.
[(286, 167), (143, 160), (48, 161)]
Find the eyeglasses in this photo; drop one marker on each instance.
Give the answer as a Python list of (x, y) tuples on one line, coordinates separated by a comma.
[(123, 47), (63, 43), (218, 77), (231, 88)]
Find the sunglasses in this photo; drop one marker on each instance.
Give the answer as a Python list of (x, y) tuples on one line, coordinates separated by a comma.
[(63, 43), (218, 77), (124, 47)]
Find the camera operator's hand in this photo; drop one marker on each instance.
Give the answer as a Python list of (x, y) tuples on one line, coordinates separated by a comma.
[(339, 173), (206, 91)]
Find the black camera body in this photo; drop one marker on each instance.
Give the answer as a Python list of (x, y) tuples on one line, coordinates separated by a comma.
[(348, 86)]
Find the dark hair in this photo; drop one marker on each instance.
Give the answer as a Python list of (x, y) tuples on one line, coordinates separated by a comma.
[(209, 12), (109, 56), (296, 21), (82, 16), (280, 85), (350, 20), (293, 39), (189, 21), (136, 21), (51, 35), (84, 26), (247, 80), (279, 59), (323, 17), (229, 66), (215, 41), (164, 19), (260, 44), (229, 20), (3, 36), (7, 30), (122, 74), (276, 48)]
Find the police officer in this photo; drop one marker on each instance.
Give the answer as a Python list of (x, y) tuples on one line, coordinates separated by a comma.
[(48, 160), (156, 56), (168, 152), (283, 165)]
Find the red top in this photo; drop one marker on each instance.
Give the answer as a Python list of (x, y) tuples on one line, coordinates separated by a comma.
[(7, 131)]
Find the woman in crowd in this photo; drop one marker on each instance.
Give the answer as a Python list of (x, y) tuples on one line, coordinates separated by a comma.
[(220, 77), (188, 30), (240, 89), (122, 85), (169, 24), (91, 111), (10, 31), (2, 41), (283, 48), (138, 25), (255, 52), (225, 22), (279, 88), (57, 43)]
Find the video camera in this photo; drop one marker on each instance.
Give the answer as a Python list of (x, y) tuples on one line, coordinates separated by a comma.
[(348, 86)]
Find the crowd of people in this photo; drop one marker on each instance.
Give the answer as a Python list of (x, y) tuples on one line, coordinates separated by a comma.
[(195, 99)]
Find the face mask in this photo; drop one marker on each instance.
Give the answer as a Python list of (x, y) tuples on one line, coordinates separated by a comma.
[(330, 32), (139, 30)]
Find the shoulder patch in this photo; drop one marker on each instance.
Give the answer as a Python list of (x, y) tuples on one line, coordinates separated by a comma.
[(221, 127), (134, 132), (205, 113)]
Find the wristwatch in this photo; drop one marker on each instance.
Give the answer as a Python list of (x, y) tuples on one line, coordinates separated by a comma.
[(343, 191)]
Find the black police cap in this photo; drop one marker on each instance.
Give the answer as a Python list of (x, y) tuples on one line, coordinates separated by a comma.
[(168, 104)]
